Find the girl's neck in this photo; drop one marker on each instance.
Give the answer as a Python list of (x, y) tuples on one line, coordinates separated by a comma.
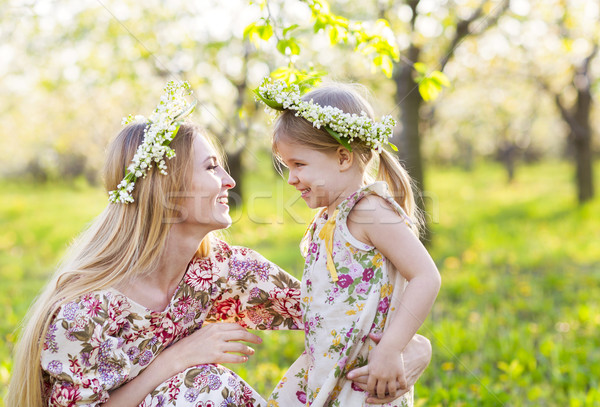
[(350, 185)]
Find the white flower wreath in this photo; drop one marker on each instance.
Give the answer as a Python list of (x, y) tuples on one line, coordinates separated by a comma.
[(160, 130), (343, 127)]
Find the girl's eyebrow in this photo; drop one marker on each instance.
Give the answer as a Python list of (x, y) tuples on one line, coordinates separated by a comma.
[(211, 158), (293, 159)]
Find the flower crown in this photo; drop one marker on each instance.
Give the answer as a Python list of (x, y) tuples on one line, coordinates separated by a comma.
[(343, 127), (161, 128)]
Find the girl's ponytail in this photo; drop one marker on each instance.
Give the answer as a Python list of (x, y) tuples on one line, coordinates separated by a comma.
[(400, 184)]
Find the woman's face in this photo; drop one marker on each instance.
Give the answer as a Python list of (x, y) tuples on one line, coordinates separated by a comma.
[(206, 202)]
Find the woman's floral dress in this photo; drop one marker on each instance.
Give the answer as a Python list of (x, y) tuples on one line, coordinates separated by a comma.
[(104, 339), (338, 316)]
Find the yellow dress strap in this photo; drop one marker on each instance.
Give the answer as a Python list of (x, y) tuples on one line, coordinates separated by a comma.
[(308, 235), (326, 234)]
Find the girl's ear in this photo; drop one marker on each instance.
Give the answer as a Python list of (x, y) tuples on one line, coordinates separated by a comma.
[(345, 158)]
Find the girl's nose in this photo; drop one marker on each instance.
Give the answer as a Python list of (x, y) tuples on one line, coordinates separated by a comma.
[(292, 179)]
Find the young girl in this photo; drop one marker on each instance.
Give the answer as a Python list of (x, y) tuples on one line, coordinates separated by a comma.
[(364, 261)]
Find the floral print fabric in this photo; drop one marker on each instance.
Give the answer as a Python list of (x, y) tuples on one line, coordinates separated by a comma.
[(103, 339), (338, 316)]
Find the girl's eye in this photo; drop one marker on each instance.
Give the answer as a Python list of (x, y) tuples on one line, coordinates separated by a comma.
[(299, 164), (212, 167)]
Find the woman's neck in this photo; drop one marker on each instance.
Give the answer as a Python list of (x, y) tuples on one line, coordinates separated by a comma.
[(156, 289)]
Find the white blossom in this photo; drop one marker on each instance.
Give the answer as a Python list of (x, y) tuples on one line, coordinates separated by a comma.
[(160, 130), (349, 126)]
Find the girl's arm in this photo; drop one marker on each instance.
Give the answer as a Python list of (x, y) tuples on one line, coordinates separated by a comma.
[(210, 344), (373, 221)]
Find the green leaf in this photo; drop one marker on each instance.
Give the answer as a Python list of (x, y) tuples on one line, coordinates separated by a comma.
[(420, 67), (339, 139), (290, 28), (387, 66), (254, 31), (333, 35), (271, 103), (393, 146), (429, 89), (440, 78), (265, 32), (294, 47), (320, 24), (249, 30), (282, 46), (289, 45), (187, 111)]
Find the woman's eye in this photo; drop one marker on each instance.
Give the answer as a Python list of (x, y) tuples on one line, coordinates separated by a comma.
[(213, 167)]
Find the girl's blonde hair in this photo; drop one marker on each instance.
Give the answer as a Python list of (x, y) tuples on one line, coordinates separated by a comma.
[(346, 97), (123, 242)]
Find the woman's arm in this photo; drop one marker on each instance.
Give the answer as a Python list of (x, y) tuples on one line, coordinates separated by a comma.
[(213, 343), (256, 293)]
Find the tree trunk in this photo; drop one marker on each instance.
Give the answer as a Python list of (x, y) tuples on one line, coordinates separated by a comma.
[(581, 137), (409, 100), (585, 172)]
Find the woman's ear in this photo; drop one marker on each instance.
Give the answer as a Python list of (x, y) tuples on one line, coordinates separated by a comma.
[(345, 158)]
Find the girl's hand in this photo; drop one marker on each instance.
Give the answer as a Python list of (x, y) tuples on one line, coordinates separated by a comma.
[(386, 371), (416, 356), (214, 343)]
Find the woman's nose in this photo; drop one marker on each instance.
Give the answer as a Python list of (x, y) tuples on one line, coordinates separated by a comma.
[(227, 180)]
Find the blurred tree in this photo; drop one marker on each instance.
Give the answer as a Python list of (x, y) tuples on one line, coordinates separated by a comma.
[(577, 118), (576, 110), (111, 58), (429, 32), (557, 44)]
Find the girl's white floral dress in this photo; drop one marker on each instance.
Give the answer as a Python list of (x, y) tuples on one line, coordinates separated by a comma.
[(104, 339), (338, 316)]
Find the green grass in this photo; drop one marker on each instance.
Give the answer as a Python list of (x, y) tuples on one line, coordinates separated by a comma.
[(516, 322)]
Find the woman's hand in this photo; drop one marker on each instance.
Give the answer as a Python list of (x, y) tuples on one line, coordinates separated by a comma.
[(416, 355), (214, 343)]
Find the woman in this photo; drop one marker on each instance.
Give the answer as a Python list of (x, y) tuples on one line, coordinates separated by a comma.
[(121, 319)]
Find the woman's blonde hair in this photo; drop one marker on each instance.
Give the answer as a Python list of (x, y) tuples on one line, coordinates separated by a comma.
[(123, 242), (346, 97)]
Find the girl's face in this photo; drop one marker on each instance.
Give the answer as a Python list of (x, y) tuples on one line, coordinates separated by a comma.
[(206, 203), (312, 172)]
